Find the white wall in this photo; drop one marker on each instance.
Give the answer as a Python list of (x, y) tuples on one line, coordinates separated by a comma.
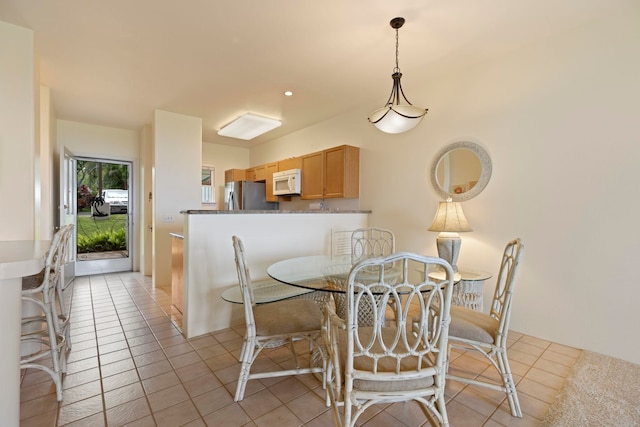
[(223, 157), (45, 205), (146, 200), (177, 151), (17, 133), (560, 121), (102, 142)]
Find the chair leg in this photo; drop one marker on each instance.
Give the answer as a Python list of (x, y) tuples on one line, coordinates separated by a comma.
[(248, 351), (243, 349), (55, 350), (442, 409), (509, 384)]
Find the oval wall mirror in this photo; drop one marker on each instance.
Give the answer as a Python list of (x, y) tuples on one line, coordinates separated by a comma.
[(461, 171)]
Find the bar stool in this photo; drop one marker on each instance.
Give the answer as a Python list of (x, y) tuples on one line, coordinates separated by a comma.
[(44, 330)]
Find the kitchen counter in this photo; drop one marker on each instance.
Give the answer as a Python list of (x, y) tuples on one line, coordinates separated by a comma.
[(17, 259), (310, 211), (209, 261)]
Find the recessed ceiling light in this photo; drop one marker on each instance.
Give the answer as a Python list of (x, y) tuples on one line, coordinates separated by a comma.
[(248, 126), (288, 93)]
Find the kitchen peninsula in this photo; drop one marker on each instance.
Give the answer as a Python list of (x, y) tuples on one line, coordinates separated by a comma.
[(268, 236)]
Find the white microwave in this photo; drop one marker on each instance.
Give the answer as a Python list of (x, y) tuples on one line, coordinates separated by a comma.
[(286, 182)]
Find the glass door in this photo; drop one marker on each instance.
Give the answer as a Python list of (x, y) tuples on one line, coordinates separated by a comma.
[(104, 215)]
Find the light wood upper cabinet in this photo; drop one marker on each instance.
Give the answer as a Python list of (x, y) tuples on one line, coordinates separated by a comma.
[(231, 175), (270, 168), (260, 173), (313, 175), (290, 163), (332, 173)]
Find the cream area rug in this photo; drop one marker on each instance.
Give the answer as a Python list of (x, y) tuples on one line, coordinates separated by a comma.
[(600, 391)]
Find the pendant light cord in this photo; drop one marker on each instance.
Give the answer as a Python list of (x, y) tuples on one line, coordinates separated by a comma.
[(397, 69)]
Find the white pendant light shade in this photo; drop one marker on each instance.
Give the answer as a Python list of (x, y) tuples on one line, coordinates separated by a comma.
[(397, 118)]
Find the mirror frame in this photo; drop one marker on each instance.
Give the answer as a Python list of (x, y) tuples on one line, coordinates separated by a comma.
[(485, 162)]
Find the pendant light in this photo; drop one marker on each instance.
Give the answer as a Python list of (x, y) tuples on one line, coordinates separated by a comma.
[(398, 115)]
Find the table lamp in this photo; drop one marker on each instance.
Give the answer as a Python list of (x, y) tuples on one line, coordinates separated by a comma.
[(449, 221)]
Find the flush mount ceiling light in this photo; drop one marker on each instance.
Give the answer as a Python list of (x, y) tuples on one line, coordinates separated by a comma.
[(248, 126), (398, 115)]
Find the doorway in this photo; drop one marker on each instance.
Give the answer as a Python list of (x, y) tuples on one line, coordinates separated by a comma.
[(104, 213)]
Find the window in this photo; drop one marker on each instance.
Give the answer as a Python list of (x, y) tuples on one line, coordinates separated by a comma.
[(208, 184)]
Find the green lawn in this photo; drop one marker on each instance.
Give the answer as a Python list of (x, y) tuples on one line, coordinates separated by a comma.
[(87, 225), (100, 235)]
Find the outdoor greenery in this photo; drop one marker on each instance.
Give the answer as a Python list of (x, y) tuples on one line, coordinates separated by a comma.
[(93, 177), (102, 235)]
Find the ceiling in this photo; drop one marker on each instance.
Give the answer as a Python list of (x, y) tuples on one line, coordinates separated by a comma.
[(114, 62)]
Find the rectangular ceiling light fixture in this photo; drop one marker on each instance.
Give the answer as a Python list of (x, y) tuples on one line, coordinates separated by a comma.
[(248, 126)]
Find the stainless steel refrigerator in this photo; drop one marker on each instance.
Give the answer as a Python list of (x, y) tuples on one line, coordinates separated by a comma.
[(247, 195)]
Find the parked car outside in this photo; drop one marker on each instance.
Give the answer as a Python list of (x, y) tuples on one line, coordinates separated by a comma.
[(118, 200)]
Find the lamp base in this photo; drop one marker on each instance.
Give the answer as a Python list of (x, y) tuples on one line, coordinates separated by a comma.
[(449, 248)]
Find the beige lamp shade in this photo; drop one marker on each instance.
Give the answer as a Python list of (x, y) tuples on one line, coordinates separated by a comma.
[(449, 217)]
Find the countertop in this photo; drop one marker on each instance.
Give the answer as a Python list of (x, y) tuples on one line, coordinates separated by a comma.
[(311, 211)]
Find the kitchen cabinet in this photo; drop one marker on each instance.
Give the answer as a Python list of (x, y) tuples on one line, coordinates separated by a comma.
[(260, 173), (290, 163), (231, 175), (313, 175), (331, 173), (270, 168), (177, 252), (250, 174)]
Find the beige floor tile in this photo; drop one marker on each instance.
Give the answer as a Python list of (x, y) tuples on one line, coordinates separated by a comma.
[(307, 406), (160, 382), (116, 367), (177, 415), (289, 388), (231, 415), (260, 403), (185, 359), (128, 412), (201, 384), (213, 400), (154, 369), (83, 377), (81, 392), (537, 390), (147, 421), (122, 395), (115, 356), (81, 409), (95, 420), (167, 397), (38, 406), (46, 419), (120, 380), (280, 416), (194, 370)]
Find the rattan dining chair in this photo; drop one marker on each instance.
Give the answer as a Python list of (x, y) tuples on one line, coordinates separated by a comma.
[(487, 333), (43, 335), (371, 242), (384, 362), (272, 324)]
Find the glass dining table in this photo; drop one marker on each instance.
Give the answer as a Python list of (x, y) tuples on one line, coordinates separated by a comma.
[(329, 274), (317, 272)]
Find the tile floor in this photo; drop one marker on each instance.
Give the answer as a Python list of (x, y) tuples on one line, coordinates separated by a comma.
[(131, 366)]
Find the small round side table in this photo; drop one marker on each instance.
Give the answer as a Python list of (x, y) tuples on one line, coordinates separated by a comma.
[(469, 291)]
